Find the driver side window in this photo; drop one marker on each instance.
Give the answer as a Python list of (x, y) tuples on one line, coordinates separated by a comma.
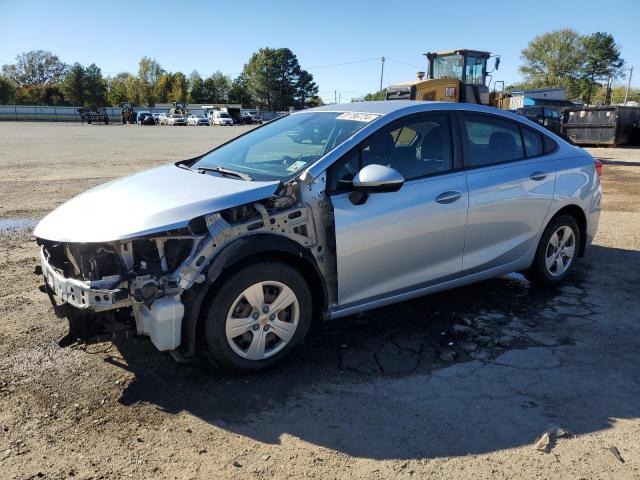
[(416, 147)]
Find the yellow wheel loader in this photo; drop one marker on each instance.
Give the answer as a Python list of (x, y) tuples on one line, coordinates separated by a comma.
[(454, 76)]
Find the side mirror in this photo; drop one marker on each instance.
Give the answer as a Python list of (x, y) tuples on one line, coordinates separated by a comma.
[(497, 63), (377, 178)]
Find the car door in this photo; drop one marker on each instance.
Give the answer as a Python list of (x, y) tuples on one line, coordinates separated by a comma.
[(398, 241), (511, 184)]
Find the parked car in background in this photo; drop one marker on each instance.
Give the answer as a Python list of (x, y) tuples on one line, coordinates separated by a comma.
[(145, 118), (221, 118), (156, 117), (162, 119), (175, 119), (548, 117), (197, 120), (232, 254), (251, 117)]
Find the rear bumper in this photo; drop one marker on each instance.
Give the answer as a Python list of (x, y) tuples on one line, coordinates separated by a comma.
[(79, 294)]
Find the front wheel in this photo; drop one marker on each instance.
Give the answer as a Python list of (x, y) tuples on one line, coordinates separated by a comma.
[(557, 251), (257, 317)]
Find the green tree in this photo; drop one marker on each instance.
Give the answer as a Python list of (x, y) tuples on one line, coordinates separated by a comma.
[(40, 95), (149, 71), (95, 86), (555, 59), (36, 67), (603, 61), (380, 95), (239, 92), (217, 88), (615, 95), (274, 79), (179, 88), (314, 101), (306, 89), (198, 91), (74, 85), (7, 90), (162, 89), (134, 89), (117, 89)]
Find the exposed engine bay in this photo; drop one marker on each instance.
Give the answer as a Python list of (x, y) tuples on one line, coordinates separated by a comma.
[(140, 284)]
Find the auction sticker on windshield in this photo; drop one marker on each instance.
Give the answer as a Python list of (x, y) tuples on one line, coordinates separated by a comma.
[(295, 166), (358, 116)]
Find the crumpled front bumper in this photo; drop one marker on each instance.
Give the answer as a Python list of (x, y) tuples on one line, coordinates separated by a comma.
[(81, 294)]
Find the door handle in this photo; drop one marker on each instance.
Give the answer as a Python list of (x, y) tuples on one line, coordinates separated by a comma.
[(448, 197), (537, 176)]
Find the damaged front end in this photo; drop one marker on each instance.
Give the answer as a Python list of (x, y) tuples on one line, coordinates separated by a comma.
[(115, 287), (139, 285)]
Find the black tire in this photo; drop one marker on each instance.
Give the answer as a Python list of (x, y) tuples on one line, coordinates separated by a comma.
[(538, 271), (216, 347)]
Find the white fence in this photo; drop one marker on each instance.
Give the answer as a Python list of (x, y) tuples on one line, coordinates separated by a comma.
[(33, 113), (48, 114)]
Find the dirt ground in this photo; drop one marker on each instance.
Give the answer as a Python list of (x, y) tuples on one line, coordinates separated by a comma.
[(455, 385)]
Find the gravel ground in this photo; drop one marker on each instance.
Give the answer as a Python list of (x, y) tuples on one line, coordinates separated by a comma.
[(455, 385)]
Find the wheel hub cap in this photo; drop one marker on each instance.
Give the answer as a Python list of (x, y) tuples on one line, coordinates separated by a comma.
[(560, 251), (262, 320)]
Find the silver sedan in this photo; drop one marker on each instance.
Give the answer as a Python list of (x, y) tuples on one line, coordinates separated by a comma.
[(197, 120), (232, 254)]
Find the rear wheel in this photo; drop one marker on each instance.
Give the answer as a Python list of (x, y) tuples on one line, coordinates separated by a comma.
[(557, 251), (257, 317)]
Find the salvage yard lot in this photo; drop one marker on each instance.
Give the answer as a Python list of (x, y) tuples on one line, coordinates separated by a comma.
[(454, 385)]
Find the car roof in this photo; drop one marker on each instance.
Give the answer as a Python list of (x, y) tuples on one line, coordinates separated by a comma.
[(391, 110), (405, 107)]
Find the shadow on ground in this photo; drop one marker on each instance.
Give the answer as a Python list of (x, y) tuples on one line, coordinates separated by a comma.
[(476, 369)]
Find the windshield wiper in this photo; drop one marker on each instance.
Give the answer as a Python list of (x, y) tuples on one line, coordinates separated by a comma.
[(225, 171)]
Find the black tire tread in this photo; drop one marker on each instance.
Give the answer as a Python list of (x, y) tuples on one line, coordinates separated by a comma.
[(538, 272), (215, 348)]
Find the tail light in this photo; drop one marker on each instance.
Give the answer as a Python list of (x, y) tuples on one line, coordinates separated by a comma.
[(598, 165)]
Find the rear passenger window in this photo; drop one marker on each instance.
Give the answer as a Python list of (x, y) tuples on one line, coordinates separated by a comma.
[(532, 143), (491, 140), (549, 145)]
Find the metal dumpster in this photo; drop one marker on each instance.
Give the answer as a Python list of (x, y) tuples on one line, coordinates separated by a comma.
[(612, 125)]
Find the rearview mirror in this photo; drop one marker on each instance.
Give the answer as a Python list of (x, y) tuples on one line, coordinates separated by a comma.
[(377, 178)]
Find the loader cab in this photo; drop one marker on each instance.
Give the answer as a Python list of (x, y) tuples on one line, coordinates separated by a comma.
[(453, 76), (468, 66)]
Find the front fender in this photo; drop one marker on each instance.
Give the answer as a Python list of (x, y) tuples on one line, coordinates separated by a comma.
[(258, 245)]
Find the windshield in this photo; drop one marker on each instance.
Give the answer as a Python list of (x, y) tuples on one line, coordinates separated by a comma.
[(284, 147), (224, 115), (476, 67), (449, 66)]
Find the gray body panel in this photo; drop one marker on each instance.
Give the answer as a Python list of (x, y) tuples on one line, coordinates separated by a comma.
[(506, 211), (152, 201), (507, 214), (399, 239)]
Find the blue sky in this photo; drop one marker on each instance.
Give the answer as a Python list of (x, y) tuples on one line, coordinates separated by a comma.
[(208, 36)]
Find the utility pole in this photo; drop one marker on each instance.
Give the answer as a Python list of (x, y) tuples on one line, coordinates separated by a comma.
[(626, 94), (335, 96), (339, 98), (381, 73)]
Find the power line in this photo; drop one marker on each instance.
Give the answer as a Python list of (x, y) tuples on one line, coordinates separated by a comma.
[(404, 63), (344, 63)]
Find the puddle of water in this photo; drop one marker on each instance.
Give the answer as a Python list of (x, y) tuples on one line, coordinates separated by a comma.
[(13, 224)]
